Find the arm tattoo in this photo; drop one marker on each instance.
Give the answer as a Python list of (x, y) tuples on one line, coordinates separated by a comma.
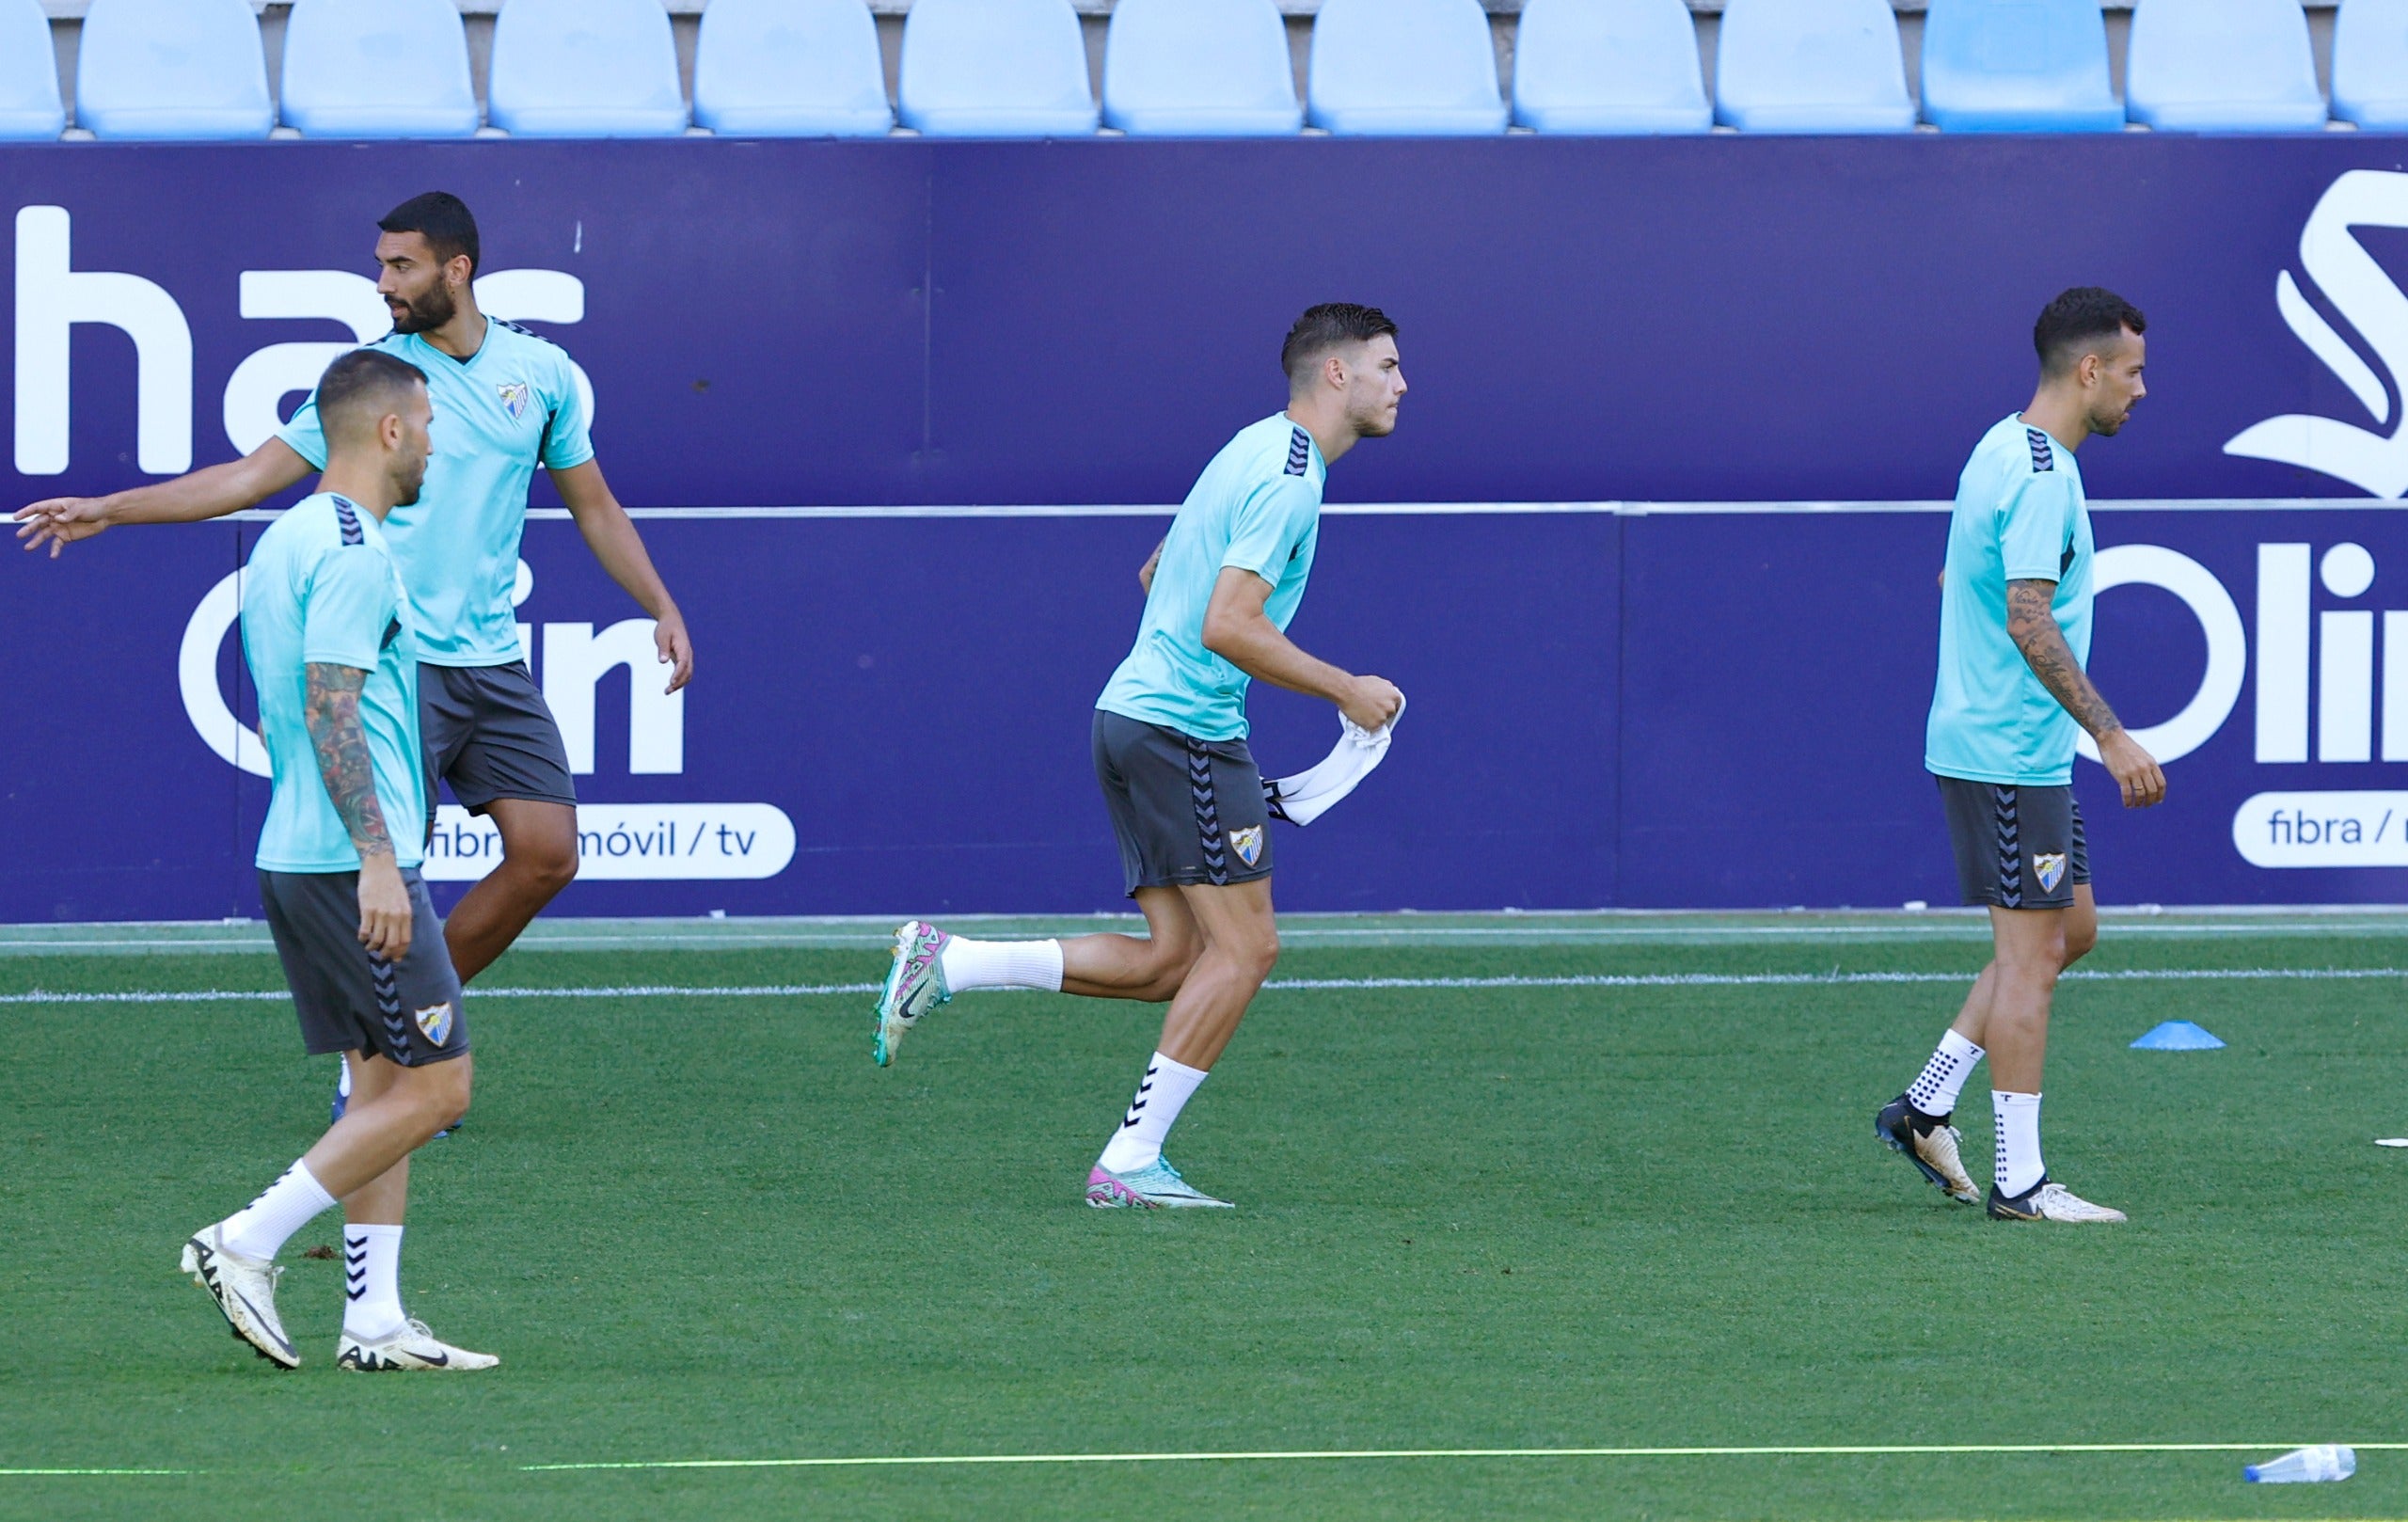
[(330, 705), (2034, 627)]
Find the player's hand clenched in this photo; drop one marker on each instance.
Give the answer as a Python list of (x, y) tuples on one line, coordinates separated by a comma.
[(384, 909), (2134, 769), (1373, 702), (59, 521)]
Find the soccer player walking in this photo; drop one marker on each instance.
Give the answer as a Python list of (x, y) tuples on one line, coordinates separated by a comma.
[(328, 632), (1185, 799), (2014, 638), (509, 402)]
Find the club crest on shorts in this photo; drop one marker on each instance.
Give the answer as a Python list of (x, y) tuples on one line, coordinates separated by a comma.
[(2050, 867), (436, 1020), (514, 398), (1247, 842)]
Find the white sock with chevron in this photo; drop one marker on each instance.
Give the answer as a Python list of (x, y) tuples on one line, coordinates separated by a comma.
[(372, 1272), (1001, 965), (1165, 1091), (1943, 1077), (260, 1228)]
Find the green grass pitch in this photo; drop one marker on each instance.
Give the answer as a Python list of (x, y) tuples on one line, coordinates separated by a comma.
[(706, 1227)]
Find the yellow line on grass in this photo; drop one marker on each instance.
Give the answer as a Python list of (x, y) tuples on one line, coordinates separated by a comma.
[(1281, 1455)]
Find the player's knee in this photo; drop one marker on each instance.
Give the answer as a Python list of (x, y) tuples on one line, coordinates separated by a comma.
[(550, 863), (1257, 952), (442, 1092), (2079, 942)]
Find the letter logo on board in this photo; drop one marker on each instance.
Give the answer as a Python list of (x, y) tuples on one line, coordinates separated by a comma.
[(2368, 300)]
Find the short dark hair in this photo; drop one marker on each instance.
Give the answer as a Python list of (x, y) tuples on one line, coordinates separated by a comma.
[(2077, 319), (361, 387), (443, 220), (1324, 327)]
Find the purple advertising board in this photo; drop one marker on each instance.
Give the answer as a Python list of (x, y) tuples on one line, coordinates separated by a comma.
[(1652, 553)]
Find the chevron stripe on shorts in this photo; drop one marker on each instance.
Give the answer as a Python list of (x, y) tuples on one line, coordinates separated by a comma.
[(1208, 813), (2010, 847), (388, 1001)]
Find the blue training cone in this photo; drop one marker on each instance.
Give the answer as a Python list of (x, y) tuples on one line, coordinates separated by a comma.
[(2177, 1035)]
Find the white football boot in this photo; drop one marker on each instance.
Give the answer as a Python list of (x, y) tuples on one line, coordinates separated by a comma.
[(412, 1347)]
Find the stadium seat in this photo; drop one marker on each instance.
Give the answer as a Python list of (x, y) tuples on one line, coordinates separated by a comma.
[(585, 69), (995, 69), (1608, 66), (377, 68), (1199, 68), (2370, 64), (171, 69), (30, 106), (2222, 66), (790, 68), (2018, 66), (1405, 68), (1811, 66)]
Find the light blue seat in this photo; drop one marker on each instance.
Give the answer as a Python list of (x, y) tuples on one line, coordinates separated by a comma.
[(585, 69), (377, 68), (995, 69), (2222, 66), (171, 69), (1825, 66), (2370, 64), (1199, 68), (2018, 66), (29, 107), (1608, 66), (790, 68), (1405, 68)]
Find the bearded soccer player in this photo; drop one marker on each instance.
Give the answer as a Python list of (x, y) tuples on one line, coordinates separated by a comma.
[(327, 631), (1185, 799), (2014, 638), (509, 400)]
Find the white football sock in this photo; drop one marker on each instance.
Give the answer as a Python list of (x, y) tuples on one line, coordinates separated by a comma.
[(342, 1081), (260, 1228), (1943, 1077), (1001, 965), (372, 1271), (1138, 1143), (2019, 1141)]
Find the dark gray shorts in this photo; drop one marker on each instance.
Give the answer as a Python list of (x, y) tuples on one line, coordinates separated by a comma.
[(350, 1000), (489, 732), (2016, 847), (1186, 812)]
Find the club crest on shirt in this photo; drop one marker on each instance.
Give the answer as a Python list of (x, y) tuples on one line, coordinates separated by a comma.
[(2050, 867), (1247, 842), (436, 1020), (514, 398)]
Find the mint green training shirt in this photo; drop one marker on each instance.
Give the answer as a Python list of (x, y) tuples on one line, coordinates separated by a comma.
[(505, 410), (1257, 507), (2020, 516), (322, 588)]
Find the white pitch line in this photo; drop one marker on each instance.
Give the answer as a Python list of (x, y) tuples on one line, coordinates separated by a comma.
[(1315, 985), (1277, 1455)]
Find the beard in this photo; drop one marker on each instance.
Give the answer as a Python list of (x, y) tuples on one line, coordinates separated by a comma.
[(412, 488), (428, 312)]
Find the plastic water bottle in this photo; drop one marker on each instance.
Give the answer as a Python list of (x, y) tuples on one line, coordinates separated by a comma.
[(2305, 1466)]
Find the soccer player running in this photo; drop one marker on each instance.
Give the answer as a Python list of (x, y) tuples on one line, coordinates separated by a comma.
[(1185, 799), (2014, 636), (509, 402), (328, 633)]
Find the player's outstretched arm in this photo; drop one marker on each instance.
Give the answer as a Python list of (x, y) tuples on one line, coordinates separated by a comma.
[(612, 535), (2033, 625), (1240, 632), (208, 493), (1146, 572), (330, 707)]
